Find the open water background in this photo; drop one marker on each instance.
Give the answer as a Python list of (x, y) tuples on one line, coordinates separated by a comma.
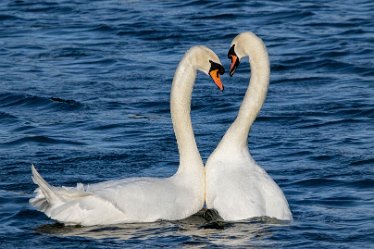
[(84, 94)]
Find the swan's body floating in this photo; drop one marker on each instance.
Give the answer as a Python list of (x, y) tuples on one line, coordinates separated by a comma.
[(143, 199), (236, 186)]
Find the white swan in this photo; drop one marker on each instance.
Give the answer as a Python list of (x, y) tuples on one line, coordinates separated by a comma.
[(143, 199), (236, 186)]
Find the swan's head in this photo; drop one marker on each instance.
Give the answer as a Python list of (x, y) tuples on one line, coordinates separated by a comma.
[(207, 61), (244, 44)]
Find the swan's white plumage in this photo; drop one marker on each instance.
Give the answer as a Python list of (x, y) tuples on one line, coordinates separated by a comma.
[(236, 186), (141, 199)]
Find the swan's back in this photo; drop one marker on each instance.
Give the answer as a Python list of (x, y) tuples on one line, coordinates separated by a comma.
[(167, 200), (113, 202)]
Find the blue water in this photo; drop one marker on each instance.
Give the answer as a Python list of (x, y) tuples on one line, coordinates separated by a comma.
[(84, 91)]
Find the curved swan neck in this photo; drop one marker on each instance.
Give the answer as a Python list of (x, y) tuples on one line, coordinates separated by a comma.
[(255, 95), (180, 107)]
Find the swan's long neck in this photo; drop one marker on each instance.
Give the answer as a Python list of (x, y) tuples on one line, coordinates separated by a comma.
[(180, 106), (254, 97)]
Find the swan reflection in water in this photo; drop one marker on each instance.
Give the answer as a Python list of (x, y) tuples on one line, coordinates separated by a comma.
[(202, 228)]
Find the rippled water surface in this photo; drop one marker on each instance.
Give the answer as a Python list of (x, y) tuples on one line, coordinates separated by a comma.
[(84, 91)]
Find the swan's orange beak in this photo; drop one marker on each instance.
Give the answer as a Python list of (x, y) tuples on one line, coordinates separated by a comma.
[(214, 74), (215, 71), (234, 60), (234, 64)]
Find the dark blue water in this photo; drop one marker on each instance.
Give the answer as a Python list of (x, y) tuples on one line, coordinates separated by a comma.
[(84, 91)]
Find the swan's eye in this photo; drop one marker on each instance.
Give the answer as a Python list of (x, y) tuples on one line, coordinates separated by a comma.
[(231, 52), (215, 66)]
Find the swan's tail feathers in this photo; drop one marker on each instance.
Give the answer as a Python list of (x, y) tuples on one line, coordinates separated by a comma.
[(46, 196)]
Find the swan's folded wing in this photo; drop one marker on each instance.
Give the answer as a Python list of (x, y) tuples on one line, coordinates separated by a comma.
[(77, 207), (147, 199), (276, 203), (72, 206), (87, 210)]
